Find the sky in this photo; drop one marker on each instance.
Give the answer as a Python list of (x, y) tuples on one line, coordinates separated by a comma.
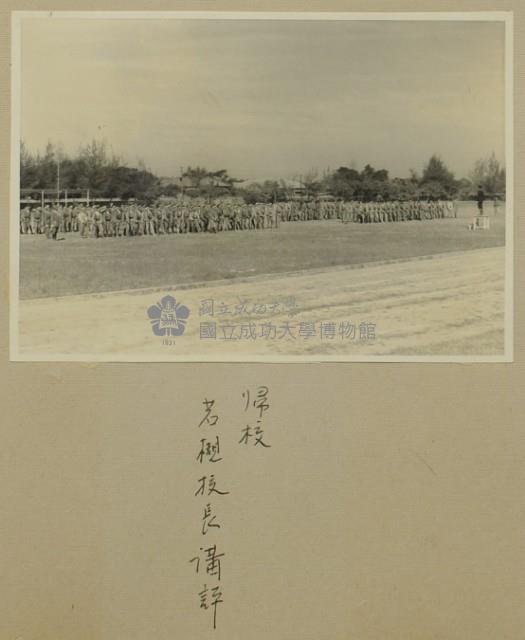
[(266, 99)]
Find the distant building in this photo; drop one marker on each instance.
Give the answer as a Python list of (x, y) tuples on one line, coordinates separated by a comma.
[(190, 185)]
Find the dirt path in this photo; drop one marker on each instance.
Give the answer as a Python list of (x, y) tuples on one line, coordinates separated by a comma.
[(444, 305)]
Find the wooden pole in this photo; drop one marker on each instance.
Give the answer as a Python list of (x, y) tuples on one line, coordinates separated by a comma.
[(58, 179)]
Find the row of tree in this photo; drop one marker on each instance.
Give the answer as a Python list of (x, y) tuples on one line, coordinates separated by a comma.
[(104, 173), (94, 168), (435, 182)]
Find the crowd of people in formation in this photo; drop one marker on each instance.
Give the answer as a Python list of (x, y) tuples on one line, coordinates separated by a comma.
[(402, 211), (195, 216)]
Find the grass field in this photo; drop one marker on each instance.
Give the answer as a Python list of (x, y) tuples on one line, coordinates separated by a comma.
[(74, 266)]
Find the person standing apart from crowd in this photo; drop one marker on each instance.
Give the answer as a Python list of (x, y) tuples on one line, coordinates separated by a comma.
[(481, 199)]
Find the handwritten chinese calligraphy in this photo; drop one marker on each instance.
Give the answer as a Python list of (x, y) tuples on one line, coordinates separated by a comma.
[(255, 407), (210, 596), (209, 559)]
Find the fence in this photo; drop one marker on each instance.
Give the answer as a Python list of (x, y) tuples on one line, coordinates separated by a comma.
[(42, 197)]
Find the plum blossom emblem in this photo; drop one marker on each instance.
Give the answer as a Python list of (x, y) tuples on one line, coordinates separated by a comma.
[(168, 317)]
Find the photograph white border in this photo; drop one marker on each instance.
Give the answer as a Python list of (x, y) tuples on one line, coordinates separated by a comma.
[(14, 215)]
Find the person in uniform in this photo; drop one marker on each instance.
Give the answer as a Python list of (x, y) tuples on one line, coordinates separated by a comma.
[(119, 222), (74, 218), (237, 218), (55, 223), (150, 222), (25, 221), (162, 221), (176, 226), (170, 218), (192, 223), (108, 222), (269, 214), (213, 220), (184, 219), (47, 220), (131, 220), (480, 198), (97, 228), (252, 217), (36, 220), (142, 221), (66, 214), (83, 223)]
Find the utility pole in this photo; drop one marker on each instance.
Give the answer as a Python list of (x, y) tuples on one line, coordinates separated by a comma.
[(58, 177)]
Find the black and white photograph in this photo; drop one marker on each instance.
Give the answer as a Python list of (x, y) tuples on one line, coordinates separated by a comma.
[(261, 187)]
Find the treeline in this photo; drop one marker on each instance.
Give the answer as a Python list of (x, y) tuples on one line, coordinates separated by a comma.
[(436, 182), (95, 168)]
